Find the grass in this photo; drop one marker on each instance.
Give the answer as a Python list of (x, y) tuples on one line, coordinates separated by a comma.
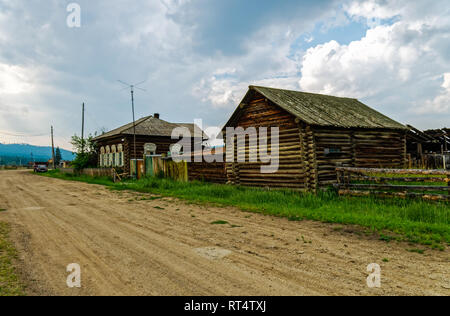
[(419, 251), (10, 284), (412, 220), (219, 223)]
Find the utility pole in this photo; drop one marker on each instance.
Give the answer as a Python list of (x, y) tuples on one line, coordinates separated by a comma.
[(82, 130), (134, 131), (53, 151), (132, 87)]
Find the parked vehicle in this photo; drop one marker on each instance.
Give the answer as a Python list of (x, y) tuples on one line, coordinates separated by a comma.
[(40, 168)]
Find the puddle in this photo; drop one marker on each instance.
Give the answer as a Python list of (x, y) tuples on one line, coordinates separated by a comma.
[(212, 253)]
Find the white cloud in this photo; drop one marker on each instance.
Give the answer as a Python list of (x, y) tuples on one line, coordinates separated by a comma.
[(267, 63), (441, 103), (362, 68), (394, 65), (200, 56), (14, 79), (372, 9)]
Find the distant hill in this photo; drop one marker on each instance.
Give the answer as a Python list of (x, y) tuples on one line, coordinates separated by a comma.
[(23, 152)]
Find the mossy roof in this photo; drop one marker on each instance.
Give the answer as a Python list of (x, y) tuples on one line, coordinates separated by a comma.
[(150, 126), (325, 110)]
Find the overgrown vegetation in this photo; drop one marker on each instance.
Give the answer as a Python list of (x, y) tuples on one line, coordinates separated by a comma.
[(417, 221), (87, 153), (10, 284)]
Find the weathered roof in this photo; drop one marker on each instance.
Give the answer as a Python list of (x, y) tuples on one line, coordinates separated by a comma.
[(325, 110), (150, 126)]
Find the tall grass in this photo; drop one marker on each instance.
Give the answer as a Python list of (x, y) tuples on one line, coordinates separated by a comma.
[(412, 220), (10, 285)]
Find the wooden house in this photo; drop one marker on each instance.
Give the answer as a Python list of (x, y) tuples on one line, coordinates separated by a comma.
[(153, 137), (317, 133)]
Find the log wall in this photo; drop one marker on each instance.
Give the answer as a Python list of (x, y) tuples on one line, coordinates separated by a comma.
[(261, 113), (208, 172), (357, 148), (309, 155)]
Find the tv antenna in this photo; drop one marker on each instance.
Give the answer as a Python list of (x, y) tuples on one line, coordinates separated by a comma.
[(132, 87)]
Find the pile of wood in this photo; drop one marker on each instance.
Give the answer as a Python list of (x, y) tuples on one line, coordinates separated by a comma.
[(428, 149), (378, 182)]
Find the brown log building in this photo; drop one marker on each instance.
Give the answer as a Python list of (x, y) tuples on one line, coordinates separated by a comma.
[(116, 148), (317, 134)]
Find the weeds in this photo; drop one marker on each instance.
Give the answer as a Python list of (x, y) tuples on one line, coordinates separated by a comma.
[(10, 284), (419, 251), (219, 223)]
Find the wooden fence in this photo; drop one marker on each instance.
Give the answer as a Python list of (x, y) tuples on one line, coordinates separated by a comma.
[(400, 183), (429, 161), (184, 171), (92, 172)]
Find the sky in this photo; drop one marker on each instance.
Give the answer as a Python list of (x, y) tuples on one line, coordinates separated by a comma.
[(198, 58)]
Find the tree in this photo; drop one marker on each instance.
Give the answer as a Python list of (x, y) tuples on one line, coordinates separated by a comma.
[(58, 156), (87, 152)]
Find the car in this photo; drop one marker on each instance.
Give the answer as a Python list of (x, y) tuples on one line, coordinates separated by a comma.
[(40, 168)]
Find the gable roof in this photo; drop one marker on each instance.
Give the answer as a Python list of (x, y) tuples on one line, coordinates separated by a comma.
[(323, 110), (150, 126)]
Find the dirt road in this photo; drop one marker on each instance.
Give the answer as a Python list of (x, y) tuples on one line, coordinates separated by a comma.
[(129, 246)]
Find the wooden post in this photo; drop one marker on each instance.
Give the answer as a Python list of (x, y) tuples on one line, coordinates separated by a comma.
[(53, 151), (82, 129), (443, 157)]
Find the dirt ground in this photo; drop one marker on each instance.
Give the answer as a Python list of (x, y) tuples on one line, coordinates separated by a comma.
[(129, 246)]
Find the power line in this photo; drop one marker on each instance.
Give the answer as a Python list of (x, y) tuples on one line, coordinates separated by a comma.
[(22, 135)]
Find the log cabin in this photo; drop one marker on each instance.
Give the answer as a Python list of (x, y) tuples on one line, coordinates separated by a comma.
[(317, 133), (153, 137)]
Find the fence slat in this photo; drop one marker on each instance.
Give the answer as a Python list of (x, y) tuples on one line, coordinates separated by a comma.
[(395, 171), (346, 175), (433, 197), (399, 187)]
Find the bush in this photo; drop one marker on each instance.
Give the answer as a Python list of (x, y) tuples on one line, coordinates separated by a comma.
[(85, 160)]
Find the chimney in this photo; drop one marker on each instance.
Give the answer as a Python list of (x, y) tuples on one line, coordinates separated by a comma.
[(156, 115)]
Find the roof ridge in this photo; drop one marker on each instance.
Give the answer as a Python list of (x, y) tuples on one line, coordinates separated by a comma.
[(296, 91)]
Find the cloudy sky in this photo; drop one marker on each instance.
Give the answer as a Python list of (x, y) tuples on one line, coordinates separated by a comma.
[(199, 56)]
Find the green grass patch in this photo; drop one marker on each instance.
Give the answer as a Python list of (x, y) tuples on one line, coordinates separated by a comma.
[(2, 210), (219, 223), (10, 284), (413, 220), (419, 251), (152, 198)]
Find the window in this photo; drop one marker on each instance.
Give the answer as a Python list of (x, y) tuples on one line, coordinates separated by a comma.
[(120, 162), (331, 151), (113, 156), (107, 156), (102, 156)]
